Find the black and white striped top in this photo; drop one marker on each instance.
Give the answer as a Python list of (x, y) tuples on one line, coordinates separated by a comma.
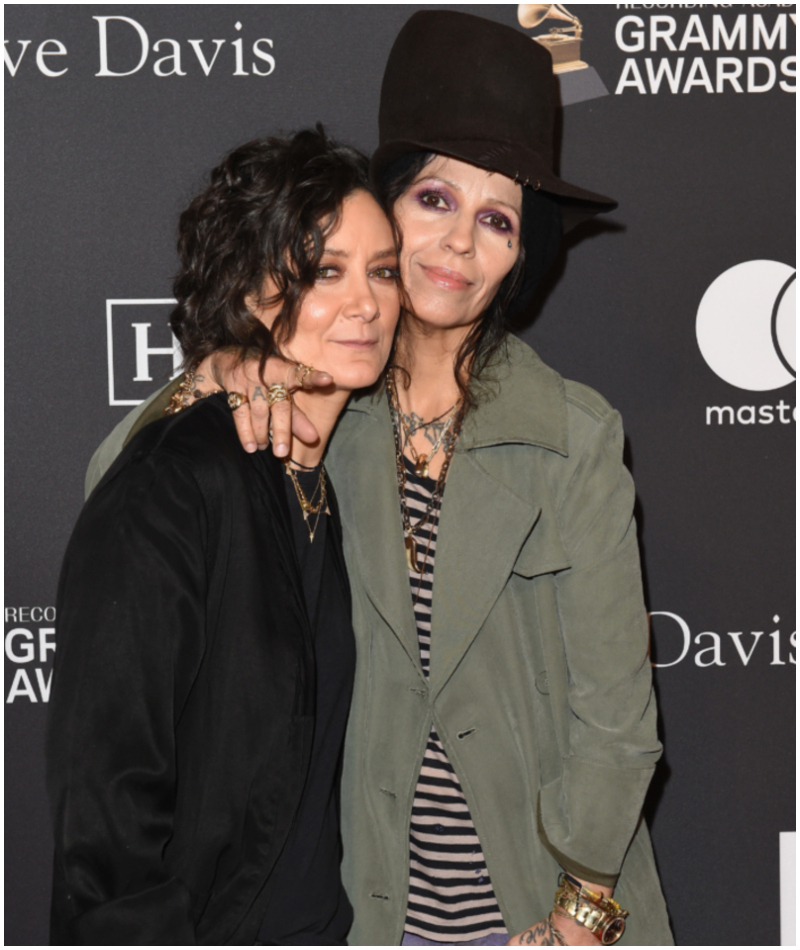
[(450, 898)]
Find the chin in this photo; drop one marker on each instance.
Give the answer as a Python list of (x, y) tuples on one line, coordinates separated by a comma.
[(438, 312), (357, 378)]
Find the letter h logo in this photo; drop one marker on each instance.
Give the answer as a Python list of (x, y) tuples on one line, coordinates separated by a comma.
[(142, 352)]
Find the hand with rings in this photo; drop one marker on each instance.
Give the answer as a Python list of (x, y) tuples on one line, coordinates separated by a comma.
[(263, 402)]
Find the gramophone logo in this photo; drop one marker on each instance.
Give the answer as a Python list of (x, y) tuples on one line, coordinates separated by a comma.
[(577, 79)]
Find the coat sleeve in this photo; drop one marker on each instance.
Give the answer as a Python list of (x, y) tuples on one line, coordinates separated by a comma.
[(608, 741), (131, 609), (152, 408)]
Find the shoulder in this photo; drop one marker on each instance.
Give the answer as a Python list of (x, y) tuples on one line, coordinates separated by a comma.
[(530, 403), (580, 399), (197, 448)]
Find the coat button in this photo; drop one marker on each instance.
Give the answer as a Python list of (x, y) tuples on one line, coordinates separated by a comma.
[(542, 683)]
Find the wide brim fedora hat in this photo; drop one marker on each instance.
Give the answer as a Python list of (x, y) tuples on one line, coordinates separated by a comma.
[(479, 91)]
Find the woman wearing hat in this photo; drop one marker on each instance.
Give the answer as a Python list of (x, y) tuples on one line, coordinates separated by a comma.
[(502, 735)]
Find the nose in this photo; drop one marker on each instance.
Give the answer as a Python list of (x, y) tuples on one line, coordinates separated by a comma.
[(459, 237), (362, 304)]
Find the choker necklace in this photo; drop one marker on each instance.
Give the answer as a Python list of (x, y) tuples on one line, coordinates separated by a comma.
[(307, 504), (434, 503)]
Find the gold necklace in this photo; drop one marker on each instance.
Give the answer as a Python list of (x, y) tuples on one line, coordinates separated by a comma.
[(434, 502), (307, 504)]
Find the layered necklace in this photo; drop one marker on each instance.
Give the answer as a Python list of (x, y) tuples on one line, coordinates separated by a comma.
[(448, 436), (309, 506)]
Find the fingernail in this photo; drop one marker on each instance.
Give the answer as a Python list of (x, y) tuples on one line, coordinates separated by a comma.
[(262, 446), (250, 447), (281, 449)]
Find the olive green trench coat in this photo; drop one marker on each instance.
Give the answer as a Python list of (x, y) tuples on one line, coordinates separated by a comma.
[(540, 680)]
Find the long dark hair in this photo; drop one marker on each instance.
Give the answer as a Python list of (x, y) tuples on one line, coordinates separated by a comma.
[(541, 235), (267, 210)]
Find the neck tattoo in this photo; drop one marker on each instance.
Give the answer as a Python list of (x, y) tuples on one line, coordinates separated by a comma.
[(432, 429)]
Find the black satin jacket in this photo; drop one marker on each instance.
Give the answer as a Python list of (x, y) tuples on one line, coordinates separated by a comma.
[(181, 713)]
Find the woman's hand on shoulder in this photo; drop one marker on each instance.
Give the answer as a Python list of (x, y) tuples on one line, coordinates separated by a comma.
[(224, 370)]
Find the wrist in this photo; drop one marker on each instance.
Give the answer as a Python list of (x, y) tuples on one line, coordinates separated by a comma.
[(573, 933), (576, 903)]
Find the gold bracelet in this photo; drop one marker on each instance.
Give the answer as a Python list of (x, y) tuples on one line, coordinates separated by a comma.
[(600, 915)]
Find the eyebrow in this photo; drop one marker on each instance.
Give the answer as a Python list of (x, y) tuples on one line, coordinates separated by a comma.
[(335, 252), (456, 187)]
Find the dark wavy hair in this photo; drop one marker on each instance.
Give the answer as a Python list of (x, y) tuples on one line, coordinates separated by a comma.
[(267, 210), (541, 237)]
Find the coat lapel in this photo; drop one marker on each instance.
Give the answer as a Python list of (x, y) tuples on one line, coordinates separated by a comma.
[(482, 528), (364, 473), (497, 516)]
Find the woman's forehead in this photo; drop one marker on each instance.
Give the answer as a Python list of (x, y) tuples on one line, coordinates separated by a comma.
[(464, 177)]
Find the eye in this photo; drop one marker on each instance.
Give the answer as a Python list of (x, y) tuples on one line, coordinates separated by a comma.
[(327, 273), (433, 199), (385, 273), (498, 221)]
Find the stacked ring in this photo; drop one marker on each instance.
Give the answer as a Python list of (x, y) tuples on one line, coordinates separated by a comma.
[(277, 393), (301, 377)]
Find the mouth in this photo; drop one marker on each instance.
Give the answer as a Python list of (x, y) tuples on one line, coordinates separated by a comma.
[(446, 278), (357, 344)]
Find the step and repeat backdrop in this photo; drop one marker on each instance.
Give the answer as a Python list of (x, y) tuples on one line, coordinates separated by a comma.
[(679, 308)]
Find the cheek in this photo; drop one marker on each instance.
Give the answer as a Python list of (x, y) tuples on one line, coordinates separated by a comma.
[(312, 323), (497, 264), (416, 231)]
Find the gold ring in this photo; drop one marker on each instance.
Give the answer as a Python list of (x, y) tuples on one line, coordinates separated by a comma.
[(277, 393), (301, 377), (237, 399)]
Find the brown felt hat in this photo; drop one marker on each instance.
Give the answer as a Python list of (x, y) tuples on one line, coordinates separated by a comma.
[(481, 92)]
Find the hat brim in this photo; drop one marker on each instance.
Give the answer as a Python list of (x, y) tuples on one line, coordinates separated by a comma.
[(523, 165)]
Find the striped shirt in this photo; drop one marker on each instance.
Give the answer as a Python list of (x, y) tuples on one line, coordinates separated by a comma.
[(450, 895)]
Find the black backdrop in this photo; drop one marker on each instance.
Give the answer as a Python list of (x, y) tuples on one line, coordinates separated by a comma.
[(686, 115)]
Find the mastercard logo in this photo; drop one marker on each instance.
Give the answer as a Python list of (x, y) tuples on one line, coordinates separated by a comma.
[(747, 326)]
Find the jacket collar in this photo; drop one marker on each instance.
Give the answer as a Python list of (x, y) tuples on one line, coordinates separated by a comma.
[(526, 404)]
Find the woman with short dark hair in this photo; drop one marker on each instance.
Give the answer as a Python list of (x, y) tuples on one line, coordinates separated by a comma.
[(205, 663)]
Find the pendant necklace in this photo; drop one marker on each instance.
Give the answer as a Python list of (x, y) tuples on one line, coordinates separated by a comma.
[(422, 461), (307, 504), (434, 502)]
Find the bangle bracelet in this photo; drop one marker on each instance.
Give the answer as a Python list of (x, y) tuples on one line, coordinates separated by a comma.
[(601, 915)]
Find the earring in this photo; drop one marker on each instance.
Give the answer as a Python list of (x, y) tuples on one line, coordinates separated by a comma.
[(509, 242)]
